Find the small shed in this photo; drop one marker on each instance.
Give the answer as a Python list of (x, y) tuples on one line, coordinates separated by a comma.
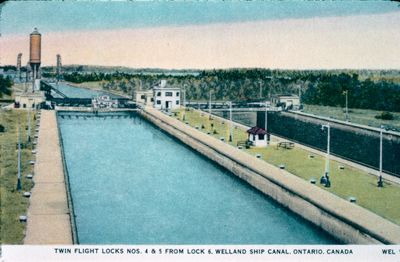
[(258, 136)]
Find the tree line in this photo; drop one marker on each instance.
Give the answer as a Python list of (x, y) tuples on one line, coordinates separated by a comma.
[(5, 85), (315, 86)]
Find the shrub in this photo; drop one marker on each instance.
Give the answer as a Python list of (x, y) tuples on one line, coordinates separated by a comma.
[(385, 116), (2, 128)]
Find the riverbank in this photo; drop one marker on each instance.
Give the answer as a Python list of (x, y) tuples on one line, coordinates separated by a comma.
[(96, 86), (346, 221), (358, 116), (48, 214)]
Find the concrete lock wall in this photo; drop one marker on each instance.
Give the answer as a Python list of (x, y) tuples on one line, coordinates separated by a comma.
[(350, 142), (345, 221)]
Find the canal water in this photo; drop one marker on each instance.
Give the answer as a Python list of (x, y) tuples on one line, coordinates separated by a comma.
[(133, 184), (79, 92)]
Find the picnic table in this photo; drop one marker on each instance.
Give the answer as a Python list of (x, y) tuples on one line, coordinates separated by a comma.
[(246, 143), (285, 145)]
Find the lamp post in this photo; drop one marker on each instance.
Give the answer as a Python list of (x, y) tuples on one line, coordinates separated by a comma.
[(184, 104), (266, 117), (266, 121), (19, 186), (325, 178), (230, 121), (380, 182), (347, 107)]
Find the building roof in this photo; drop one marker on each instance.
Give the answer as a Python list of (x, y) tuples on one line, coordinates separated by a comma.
[(158, 88), (256, 131)]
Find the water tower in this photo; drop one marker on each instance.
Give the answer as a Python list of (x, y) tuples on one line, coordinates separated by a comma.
[(35, 56)]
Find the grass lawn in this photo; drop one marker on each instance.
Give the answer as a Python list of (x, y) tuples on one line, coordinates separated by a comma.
[(359, 116), (12, 203), (349, 182)]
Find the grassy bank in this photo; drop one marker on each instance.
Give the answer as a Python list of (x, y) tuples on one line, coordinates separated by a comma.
[(347, 182), (98, 86), (12, 203), (359, 116)]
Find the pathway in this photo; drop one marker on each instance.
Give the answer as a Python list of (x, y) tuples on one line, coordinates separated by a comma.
[(48, 214)]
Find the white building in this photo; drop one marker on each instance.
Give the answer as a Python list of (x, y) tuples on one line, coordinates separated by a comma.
[(29, 99), (286, 101), (144, 97), (166, 98)]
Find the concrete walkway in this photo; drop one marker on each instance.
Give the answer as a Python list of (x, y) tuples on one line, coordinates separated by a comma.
[(48, 213)]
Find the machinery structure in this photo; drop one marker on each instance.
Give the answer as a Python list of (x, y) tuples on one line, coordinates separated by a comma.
[(58, 69), (19, 76)]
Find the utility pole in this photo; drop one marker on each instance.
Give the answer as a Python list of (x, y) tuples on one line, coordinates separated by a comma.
[(325, 178), (209, 106), (29, 125), (300, 94), (184, 104), (184, 97), (380, 182), (260, 89), (230, 120)]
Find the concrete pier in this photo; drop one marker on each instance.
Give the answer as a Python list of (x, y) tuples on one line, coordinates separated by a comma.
[(48, 213)]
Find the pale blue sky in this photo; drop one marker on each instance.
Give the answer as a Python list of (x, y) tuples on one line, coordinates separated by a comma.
[(20, 17), (216, 34)]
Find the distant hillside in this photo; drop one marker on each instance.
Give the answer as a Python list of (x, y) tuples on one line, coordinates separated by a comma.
[(121, 69), (390, 75)]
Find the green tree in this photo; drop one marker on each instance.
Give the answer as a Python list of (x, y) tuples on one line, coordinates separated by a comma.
[(5, 85)]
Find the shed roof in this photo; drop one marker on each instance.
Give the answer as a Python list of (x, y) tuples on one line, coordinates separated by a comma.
[(256, 131)]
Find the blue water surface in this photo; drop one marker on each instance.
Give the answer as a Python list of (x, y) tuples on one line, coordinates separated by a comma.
[(133, 184), (79, 92)]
